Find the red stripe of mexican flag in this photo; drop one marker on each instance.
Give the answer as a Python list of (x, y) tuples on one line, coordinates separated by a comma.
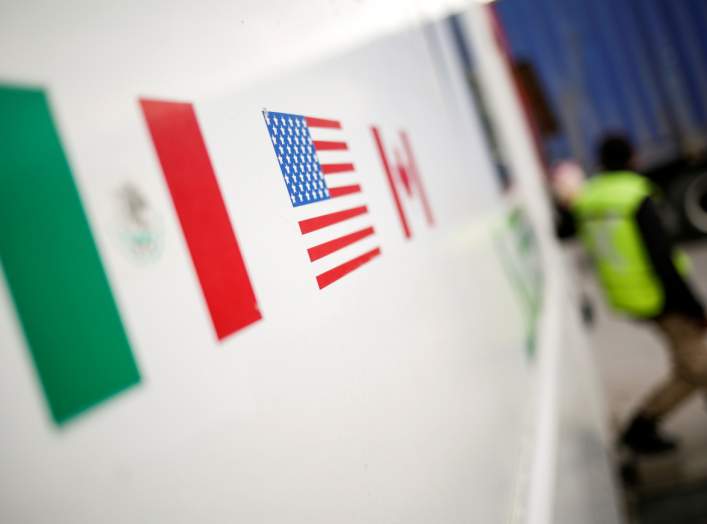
[(202, 214)]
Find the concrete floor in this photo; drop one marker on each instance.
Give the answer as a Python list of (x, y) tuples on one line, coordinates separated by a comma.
[(631, 362)]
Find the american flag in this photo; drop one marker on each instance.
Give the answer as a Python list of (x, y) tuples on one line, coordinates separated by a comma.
[(322, 185)]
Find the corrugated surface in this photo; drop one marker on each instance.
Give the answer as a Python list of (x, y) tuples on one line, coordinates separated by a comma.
[(635, 65)]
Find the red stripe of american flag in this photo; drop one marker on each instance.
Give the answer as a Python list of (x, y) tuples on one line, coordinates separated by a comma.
[(331, 276), (332, 169), (322, 221), (322, 122), (327, 248), (326, 145), (344, 190)]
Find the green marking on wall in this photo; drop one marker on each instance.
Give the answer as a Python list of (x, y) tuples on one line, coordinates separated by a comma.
[(54, 272), (515, 245)]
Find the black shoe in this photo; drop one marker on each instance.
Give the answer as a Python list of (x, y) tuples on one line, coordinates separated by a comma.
[(642, 437)]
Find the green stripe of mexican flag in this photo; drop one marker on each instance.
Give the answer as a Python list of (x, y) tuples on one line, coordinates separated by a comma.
[(52, 265)]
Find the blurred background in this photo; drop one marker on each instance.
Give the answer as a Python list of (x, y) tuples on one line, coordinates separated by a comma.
[(588, 68)]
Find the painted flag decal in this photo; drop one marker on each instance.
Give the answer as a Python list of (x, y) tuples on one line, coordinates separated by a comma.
[(322, 185), (54, 272), (403, 178), (202, 214)]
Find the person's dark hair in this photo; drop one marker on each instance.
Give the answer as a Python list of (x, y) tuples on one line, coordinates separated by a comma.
[(615, 152)]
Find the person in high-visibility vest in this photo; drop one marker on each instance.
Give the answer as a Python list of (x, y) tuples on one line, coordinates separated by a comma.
[(643, 275)]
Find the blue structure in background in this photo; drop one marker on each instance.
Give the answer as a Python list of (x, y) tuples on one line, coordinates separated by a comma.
[(638, 66)]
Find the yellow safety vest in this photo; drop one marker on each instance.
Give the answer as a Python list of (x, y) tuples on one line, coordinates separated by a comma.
[(605, 212)]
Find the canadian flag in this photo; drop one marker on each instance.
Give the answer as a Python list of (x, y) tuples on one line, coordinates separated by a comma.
[(403, 177)]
